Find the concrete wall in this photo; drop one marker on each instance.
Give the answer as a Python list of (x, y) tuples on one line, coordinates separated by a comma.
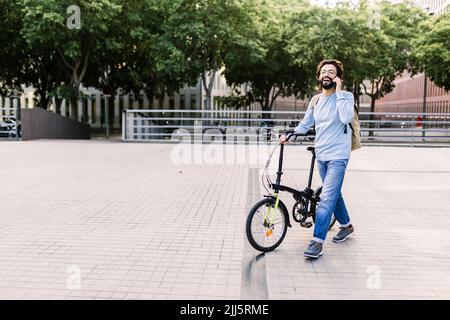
[(41, 124)]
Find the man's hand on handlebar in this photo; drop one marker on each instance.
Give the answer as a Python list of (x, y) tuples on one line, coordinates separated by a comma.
[(283, 139)]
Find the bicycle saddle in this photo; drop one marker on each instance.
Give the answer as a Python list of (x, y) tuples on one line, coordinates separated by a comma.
[(311, 149)]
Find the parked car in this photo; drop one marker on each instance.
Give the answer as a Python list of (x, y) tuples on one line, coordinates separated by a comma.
[(265, 130), (215, 125), (8, 127), (386, 124)]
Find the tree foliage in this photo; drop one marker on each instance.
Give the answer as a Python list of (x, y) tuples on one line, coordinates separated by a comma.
[(158, 46)]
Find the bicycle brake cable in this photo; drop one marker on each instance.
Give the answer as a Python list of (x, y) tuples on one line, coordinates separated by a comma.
[(265, 173)]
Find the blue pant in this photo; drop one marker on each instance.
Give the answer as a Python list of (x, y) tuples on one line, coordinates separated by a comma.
[(332, 173)]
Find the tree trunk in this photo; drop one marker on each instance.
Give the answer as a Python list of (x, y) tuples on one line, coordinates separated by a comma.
[(150, 98), (73, 108), (208, 93), (208, 100), (111, 108), (208, 107), (58, 102), (78, 70), (74, 102), (43, 100), (161, 102), (268, 101), (372, 116), (265, 107)]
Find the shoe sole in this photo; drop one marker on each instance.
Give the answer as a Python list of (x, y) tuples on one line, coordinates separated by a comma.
[(314, 257), (339, 241)]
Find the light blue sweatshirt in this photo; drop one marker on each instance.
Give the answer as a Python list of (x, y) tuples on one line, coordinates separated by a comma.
[(330, 115)]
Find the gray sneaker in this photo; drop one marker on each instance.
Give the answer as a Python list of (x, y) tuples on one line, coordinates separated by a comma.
[(343, 234), (315, 250)]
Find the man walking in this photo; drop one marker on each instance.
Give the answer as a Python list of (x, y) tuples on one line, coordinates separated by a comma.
[(330, 112)]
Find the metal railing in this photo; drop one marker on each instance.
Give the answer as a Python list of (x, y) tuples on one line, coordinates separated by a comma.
[(258, 126)]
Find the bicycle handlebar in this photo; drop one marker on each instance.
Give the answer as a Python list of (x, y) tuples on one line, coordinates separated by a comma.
[(290, 133)]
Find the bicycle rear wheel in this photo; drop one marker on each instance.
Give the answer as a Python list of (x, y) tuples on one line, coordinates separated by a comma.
[(333, 218), (332, 221), (266, 227)]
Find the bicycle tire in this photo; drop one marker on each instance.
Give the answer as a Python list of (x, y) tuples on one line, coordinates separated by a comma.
[(281, 227), (333, 218)]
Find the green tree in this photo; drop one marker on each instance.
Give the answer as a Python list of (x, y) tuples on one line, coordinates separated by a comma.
[(155, 64), (202, 30), (259, 57), (329, 33), (387, 49), (12, 55), (23, 64), (45, 24), (432, 50)]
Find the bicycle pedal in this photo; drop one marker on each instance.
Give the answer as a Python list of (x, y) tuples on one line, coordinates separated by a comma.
[(306, 224)]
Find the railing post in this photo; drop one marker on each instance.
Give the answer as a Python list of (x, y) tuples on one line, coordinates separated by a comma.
[(133, 127), (124, 125), (107, 115), (17, 119)]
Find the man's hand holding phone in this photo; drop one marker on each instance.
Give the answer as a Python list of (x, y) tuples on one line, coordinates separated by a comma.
[(338, 84)]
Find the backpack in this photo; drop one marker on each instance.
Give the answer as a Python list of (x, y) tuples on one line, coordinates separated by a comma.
[(354, 125)]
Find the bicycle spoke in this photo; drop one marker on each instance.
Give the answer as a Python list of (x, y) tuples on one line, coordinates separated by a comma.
[(260, 232), (267, 226)]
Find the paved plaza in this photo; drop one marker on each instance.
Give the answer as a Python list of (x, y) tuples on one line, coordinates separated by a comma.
[(110, 220)]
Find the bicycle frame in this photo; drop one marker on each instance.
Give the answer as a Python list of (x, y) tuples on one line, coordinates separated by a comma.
[(308, 194), (278, 187), (304, 207)]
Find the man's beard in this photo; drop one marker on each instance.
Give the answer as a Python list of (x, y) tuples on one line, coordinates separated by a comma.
[(330, 84)]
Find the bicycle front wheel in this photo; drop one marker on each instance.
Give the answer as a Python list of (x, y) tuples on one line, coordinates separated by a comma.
[(266, 227)]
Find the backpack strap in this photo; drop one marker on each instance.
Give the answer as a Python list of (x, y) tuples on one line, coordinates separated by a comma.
[(355, 107), (314, 102), (351, 127)]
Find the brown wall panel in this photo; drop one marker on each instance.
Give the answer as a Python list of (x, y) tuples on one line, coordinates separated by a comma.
[(41, 124)]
